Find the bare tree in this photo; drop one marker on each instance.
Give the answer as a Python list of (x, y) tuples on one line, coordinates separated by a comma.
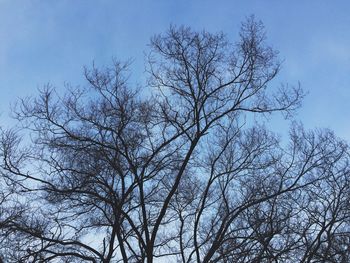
[(110, 173)]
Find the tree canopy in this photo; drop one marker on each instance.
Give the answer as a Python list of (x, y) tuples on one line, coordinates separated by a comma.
[(173, 171)]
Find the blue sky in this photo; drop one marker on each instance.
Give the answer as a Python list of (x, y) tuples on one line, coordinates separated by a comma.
[(51, 41)]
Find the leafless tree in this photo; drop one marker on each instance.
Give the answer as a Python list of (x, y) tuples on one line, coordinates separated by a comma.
[(176, 171)]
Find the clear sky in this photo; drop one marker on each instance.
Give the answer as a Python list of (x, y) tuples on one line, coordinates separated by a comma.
[(50, 41)]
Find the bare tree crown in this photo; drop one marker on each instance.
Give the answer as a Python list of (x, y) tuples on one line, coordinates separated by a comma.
[(104, 174)]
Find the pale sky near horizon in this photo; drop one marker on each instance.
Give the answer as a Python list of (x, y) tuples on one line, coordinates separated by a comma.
[(51, 41)]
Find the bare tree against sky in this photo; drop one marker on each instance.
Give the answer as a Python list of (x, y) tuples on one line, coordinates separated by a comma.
[(174, 171)]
